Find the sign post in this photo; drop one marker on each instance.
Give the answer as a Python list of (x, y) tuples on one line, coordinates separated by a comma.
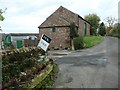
[(44, 42)]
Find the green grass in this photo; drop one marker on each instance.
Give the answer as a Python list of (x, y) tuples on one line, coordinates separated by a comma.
[(90, 41)]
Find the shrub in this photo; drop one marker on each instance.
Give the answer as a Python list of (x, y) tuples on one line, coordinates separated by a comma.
[(18, 66), (115, 31), (102, 30), (73, 31), (78, 43)]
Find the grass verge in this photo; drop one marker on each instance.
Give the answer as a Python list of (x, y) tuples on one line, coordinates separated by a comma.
[(90, 41)]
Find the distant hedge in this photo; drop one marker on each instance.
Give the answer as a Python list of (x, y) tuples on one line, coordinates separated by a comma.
[(115, 31), (78, 43)]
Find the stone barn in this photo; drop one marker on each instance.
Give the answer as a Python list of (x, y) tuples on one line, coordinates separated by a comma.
[(57, 27)]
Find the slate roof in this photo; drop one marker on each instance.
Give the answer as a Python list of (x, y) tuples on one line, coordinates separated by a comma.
[(58, 21), (61, 17), (23, 34)]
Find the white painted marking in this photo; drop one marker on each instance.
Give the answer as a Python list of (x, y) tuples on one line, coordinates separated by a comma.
[(89, 54), (58, 56)]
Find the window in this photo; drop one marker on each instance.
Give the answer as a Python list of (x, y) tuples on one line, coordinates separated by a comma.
[(53, 29)]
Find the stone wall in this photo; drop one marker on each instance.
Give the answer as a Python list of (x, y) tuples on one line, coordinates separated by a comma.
[(60, 38), (88, 29), (81, 27), (30, 43)]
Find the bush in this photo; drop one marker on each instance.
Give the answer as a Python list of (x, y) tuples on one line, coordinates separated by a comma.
[(86, 41), (20, 65), (115, 31), (78, 43)]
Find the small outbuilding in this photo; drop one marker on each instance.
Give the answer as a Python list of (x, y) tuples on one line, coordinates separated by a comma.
[(19, 40), (57, 27)]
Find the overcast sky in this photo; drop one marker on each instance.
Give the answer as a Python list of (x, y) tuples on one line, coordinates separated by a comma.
[(24, 16)]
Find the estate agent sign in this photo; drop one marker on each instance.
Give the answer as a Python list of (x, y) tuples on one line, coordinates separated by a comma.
[(44, 42)]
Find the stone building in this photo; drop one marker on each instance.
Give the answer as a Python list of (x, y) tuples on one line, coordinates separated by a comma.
[(57, 27)]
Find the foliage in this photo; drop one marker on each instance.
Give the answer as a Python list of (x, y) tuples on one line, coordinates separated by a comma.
[(86, 41), (9, 45), (20, 66), (94, 20), (1, 16), (111, 21), (108, 30), (78, 43), (73, 34), (90, 41), (73, 31), (115, 31), (102, 30)]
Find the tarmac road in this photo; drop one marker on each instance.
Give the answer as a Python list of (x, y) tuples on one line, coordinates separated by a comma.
[(96, 67)]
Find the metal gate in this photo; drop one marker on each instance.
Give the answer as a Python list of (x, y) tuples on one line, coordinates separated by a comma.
[(19, 43)]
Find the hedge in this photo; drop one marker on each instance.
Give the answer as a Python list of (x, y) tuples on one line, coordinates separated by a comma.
[(20, 66), (78, 43)]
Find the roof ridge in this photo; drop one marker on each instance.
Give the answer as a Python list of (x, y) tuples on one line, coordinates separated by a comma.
[(74, 13), (63, 10)]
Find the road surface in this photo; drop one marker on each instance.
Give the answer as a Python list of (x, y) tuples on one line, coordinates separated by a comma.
[(96, 67)]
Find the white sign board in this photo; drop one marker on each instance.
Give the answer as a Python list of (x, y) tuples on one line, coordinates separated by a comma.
[(44, 42)]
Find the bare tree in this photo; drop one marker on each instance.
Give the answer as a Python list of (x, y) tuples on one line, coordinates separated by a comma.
[(110, 21)]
